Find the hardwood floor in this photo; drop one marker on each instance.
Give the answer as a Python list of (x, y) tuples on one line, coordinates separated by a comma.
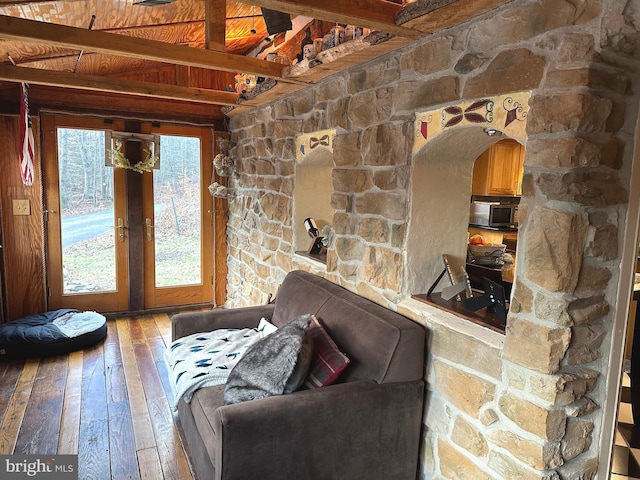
[(109, 404)]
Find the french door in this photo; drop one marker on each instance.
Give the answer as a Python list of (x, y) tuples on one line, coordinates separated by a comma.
[(177, 267), (118, 239)]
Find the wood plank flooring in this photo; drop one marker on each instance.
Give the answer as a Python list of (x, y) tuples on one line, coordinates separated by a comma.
[(109, 404)]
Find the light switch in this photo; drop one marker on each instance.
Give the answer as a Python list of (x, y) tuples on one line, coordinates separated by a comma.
[(21, 207)]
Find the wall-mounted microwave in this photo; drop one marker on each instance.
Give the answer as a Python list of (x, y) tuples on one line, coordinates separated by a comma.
[(493, 214)]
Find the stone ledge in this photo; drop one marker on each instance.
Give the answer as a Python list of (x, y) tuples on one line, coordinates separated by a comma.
[(314, 266), (423, 313)]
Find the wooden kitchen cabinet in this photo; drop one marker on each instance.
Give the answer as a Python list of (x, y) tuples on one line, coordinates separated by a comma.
[(498, 170)]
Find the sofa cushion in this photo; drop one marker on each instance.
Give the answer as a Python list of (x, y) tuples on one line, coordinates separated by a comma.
[(275, 365), (327, 362), (382, 344)]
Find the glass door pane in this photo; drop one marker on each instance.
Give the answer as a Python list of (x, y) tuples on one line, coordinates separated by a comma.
[(177, 213), (87, 215)]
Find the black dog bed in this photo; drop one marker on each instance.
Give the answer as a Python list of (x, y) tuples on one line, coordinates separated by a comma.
[(51, 333)]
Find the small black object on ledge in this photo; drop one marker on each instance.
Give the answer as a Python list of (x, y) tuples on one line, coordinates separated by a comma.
[(487, 308), (493, 300), (316, 246)]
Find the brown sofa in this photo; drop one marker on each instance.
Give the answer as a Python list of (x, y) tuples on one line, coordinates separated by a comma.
[(364, 427)]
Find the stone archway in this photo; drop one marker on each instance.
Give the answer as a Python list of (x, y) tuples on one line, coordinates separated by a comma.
[(447, 142), (314, 183), (525, 397), (506, 113)]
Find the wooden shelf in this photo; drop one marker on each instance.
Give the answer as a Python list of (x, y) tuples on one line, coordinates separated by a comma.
[(481, 317), (318, 257), (416, 20), (494, 229), (343, 60), (437, 15)]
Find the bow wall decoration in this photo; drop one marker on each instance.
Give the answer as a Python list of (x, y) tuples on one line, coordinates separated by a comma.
[(308, 142)]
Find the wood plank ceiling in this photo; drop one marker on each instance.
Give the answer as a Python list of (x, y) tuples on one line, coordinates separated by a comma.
[(122, 47), (180, 23)]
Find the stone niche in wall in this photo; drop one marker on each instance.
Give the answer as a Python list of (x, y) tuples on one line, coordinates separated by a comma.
[(447, 142), (313, 185)]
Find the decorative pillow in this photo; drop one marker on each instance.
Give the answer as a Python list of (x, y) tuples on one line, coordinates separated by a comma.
[(275, 365), (327, 362)]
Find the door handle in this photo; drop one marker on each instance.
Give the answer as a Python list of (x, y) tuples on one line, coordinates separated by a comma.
[(149, 229), (120, 230)]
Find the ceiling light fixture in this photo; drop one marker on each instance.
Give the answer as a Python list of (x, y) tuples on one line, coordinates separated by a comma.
[(492, 131)]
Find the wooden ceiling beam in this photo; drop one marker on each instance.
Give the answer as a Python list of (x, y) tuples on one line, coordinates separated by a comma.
[(215, 24), (13, 3), (111, 105), (12, 28), (374, 14), (95, 83)]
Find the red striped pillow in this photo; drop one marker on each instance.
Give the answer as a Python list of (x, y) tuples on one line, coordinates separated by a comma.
[(328, 361)]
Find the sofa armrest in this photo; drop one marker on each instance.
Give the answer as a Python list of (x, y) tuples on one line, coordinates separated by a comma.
[(358, 430), (183, 324)]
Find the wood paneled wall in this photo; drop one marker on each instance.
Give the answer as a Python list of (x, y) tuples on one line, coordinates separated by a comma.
[(111, 105), (22, 234)]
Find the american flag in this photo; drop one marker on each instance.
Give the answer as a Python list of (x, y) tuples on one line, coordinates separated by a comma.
[(26, 138)]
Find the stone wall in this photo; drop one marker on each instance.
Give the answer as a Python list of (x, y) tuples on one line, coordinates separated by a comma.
[(525, 405)]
